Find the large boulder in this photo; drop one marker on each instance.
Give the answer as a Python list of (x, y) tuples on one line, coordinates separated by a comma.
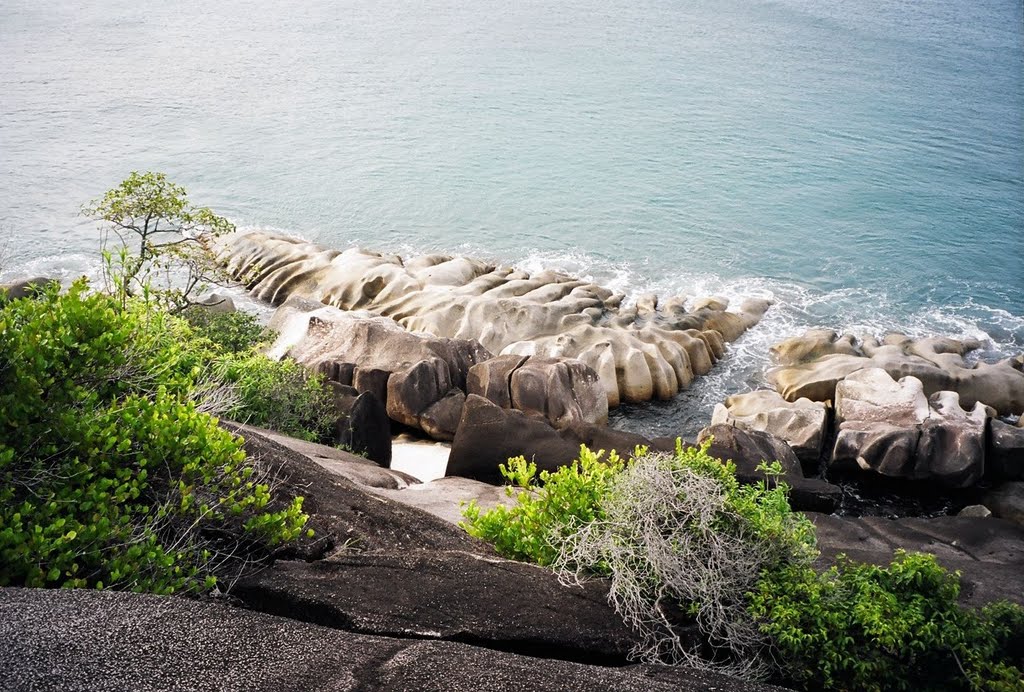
[(812, 365), (649, 350), (891, 428), (1005, 453), (872, 396), (495, 603), (803, 423), (1007, 502), (488, 435), (562, 390), (23, 288), (749, 449), (364, 426)]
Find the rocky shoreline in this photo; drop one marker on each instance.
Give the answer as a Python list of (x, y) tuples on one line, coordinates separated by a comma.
[(499, 363)]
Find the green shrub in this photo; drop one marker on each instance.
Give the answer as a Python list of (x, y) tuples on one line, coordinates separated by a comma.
[(280, 395), (534, 528), (109, 476), (864, 627), (231, 332), (683, 542)]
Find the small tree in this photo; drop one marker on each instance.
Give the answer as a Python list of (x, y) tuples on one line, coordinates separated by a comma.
[(175, 260)]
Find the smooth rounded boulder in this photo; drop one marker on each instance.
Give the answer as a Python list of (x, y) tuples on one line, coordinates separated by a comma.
[(803, 423), (652, 350), (488, 435)]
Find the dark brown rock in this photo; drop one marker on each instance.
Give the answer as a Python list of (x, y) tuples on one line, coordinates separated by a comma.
[(23, 288), (366, 430), (598, 437), (1005, 456), (748, 449), (372, 380), (416, 389), (491, 379), (1007, 502), (889, 450), (441, 419), (495, 603), (489, 435), (989, 552), (564, 391)]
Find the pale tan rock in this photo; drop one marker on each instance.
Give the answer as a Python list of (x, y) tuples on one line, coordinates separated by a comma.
[(802, 423), (871, 395), (650, 350), (812, 365)]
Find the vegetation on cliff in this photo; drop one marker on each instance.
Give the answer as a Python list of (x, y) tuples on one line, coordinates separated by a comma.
[(684, 544), (113, 472)]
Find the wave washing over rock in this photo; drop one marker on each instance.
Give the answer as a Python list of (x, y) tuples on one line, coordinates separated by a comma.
[(648, 350)]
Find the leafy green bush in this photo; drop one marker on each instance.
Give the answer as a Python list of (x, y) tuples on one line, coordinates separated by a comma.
[(864, 627), (109, 476), (231, 332), (535, 527), (684, 542), (280, 395)]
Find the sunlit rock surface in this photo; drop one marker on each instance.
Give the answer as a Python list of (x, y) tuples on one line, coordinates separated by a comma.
[(813, 364), (650, 350)]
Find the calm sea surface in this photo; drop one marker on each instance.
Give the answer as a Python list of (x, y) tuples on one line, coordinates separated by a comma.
[(860, 162)]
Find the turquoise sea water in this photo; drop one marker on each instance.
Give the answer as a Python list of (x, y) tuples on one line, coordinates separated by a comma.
[(860, 162)]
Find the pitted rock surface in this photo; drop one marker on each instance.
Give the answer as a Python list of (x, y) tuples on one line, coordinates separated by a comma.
[(98, 641)]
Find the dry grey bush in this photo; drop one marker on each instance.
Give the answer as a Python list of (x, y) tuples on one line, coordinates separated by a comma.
[(665, 542)]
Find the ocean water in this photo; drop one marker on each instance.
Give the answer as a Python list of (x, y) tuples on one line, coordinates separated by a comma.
[(861, 163)]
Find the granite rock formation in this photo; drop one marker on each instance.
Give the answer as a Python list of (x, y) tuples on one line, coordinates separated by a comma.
[(650, 350), (813, 364), (803, 423)]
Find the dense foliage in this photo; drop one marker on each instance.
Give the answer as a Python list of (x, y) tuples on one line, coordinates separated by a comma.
[(684, 543), (109, 474), (230, 332), (534, 528), (865, 627), (280, 395)]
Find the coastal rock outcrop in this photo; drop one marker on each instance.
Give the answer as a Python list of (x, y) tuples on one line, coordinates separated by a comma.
[(488, 435), (891, 428), (812, 365), (422, 380), (803, 423), (649, 350), (749, 449)]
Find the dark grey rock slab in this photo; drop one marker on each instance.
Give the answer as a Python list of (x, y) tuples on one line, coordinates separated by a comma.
[(497, 603), (100, 641), (989, 552)]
